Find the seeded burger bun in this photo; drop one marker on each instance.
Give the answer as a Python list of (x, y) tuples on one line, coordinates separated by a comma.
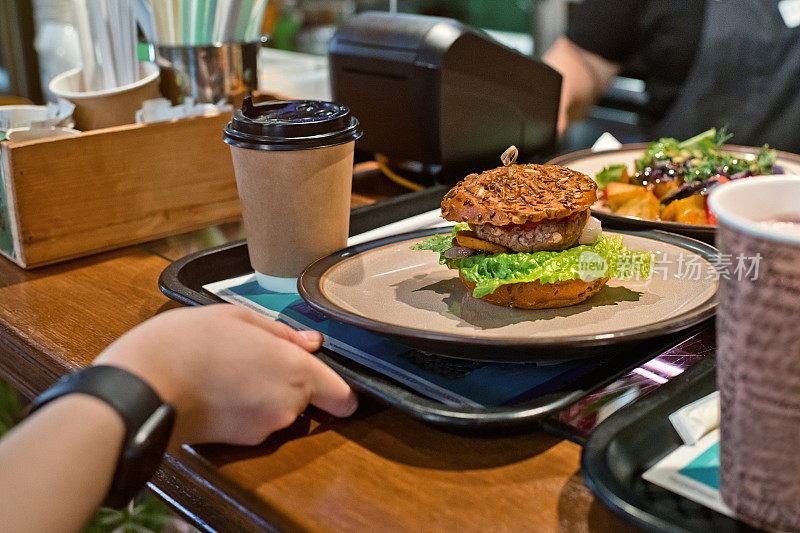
[(524, 208), (519, 194)]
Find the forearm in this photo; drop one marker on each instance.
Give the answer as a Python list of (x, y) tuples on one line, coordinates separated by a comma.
[(586, 76), (56, 467)]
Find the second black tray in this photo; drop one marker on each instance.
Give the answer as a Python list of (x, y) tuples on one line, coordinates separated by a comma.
[(632, 440)]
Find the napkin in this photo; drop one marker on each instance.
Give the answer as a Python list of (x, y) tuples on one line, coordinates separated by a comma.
[(160, 109), (606, 142), (697, 419)]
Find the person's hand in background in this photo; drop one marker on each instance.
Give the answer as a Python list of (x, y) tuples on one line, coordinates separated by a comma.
[(232, 375), (586, 77)]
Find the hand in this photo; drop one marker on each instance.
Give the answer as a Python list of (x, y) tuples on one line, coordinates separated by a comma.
[(232, 375)]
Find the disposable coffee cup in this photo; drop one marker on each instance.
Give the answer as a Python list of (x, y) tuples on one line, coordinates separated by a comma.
[(758, 348), (293, 162)]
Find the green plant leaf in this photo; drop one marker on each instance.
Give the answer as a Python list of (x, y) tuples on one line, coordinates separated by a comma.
[(704, 141), (148, 515), (11, 408)]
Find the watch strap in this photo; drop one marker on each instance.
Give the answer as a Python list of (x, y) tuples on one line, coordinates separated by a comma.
[(148, 422)]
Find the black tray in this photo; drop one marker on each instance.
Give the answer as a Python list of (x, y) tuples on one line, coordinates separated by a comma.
[(632, 440), (184, 279)]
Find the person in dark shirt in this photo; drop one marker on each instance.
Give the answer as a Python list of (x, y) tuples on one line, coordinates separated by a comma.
[(733, 63)]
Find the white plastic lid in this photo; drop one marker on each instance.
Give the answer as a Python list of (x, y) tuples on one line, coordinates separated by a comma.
[(748, 205)]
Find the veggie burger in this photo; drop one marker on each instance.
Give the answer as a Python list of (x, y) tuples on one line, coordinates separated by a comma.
[(525, 238)]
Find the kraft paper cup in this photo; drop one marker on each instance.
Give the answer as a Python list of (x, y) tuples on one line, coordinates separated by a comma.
[(108, 107), (293, 161), (758, 349)]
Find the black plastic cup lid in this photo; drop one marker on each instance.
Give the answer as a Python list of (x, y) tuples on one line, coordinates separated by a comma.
[(291, 125)]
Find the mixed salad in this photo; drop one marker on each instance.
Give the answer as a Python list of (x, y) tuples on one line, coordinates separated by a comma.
[(672, 179)]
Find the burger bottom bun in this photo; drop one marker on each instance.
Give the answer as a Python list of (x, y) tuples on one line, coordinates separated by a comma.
[(535, 295)]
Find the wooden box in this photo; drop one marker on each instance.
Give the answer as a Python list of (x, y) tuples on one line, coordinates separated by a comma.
[(73, 196)]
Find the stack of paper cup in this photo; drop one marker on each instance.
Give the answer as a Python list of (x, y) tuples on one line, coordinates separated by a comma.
[(21, 116), (107, 107)]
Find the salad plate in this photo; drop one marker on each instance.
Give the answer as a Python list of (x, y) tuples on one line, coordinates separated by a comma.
[(386, 287), (595, 163)]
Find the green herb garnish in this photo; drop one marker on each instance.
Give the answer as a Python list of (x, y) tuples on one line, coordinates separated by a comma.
[(702, 156)]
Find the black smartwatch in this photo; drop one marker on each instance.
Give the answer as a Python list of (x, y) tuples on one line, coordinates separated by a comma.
[(148, 422)]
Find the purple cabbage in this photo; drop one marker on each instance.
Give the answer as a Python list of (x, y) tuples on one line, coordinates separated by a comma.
[(689, 189), (740, 175), (660, 170), (457, 252)]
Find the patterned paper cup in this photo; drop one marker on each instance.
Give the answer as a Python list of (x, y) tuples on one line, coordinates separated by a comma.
[(758, 354)]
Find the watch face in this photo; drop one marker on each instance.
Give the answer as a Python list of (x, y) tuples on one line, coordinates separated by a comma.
[(143, 454)]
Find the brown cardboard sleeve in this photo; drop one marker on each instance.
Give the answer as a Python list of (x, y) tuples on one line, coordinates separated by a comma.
[(295, 204)]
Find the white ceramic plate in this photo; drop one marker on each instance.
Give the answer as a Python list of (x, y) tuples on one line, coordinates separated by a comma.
[(386, 287)]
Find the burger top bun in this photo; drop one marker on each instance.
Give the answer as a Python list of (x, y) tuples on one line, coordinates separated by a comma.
[(518, 194)]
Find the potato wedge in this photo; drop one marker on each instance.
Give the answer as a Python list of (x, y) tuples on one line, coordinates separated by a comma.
[(616, 187), (670, 211), (675, 208), (470, 240), (642, 206), (620, 193), (663, 188), (692, 216)]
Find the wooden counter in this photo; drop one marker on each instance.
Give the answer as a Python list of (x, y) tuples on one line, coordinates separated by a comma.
[(378, 471)]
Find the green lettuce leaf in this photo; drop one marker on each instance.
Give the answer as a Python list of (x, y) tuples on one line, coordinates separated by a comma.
[(664, 148), (609, 174), (440, 243), (708, 140), (435, 243), (607, 257)]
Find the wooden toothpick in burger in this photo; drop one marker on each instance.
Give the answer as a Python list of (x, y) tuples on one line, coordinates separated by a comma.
[(509, 157)]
